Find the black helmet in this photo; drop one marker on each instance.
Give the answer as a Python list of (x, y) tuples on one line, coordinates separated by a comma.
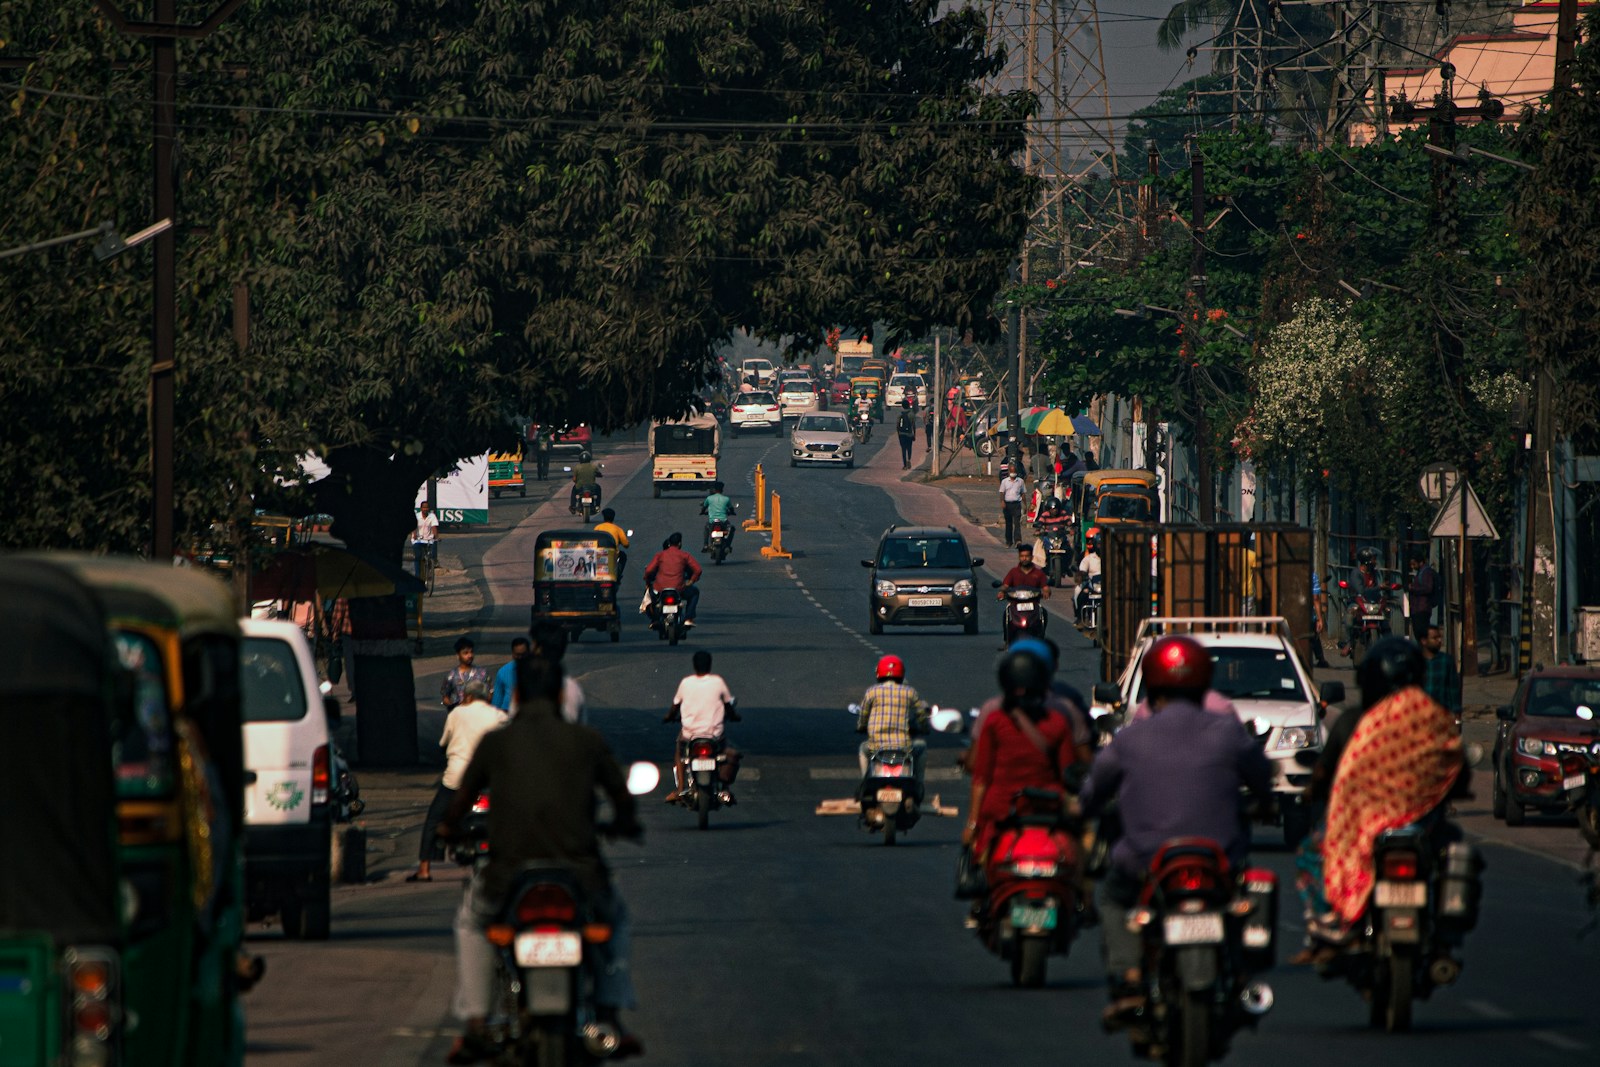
[(1024, 677), (1366, 555), (1390, 665)]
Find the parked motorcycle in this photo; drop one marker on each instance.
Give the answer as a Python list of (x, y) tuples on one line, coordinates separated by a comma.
[(1424, 901), (666, 615), (1030, 904), (700, 771), (1206, 935), (1024, 614), (544, 1011)]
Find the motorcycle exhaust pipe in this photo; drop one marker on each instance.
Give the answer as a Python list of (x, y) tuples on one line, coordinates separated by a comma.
[(1444, 971), (601, 1040), (1256, 999)]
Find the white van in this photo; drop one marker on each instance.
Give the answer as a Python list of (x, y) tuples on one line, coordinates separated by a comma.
[(290, 765)]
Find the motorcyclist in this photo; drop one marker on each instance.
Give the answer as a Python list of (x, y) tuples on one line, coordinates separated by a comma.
[(608, 524), (716, 507), (892, 714), (673, 568), (861, 410), (544, 772), (1386, 766), (1364, 585), (1088, 569), (1025, 575), (1175, 774), (586, 475), (701, 706)]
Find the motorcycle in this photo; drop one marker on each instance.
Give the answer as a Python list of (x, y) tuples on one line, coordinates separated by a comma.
[(719, 410), (1055, 542), (1580, 780), (720, 537), (544, 1010), (1206, 935), (588, 502), (666, 615), (1030, 906), (700, 770), (861, 426), (1089, 616), (1024, 615), (1369, 614)]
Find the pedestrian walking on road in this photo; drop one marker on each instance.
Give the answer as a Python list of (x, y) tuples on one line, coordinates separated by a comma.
[(927, 427), (1423, 594), (1440, 679), (452, 690), (541, 453), (505, 679), (906, 429), (1319, 618), (1011, 487), (464, 727)]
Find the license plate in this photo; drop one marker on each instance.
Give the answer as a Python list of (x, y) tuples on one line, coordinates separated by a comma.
[(716, 535), (1576, 781), (891, 796), (703, 765), (1025, 606), (1032, 917), (1372, 618), (670, 609), (549, 950), (924, 601), (1401, 894), (1202, 929), (684, 474)]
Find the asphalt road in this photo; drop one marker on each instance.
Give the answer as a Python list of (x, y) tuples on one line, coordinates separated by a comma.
[(785, 938)]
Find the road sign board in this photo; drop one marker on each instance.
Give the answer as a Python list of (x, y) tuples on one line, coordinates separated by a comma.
[(1452, 516)]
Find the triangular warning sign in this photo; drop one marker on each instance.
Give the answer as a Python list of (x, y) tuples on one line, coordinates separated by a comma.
[(1452, 515)]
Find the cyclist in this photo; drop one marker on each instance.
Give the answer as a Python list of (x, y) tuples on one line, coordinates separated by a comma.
[(425, 539)]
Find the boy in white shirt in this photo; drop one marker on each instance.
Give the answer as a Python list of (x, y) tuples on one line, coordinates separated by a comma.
[(464, 727), (701, 706)]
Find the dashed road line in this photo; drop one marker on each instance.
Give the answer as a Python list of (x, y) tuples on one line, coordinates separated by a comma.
[(1555, 1040), (1488, 1010)]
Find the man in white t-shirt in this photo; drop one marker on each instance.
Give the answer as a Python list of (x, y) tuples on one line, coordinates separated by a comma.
[(464, 727), (701, 706), (1088, 567), (425, 538)]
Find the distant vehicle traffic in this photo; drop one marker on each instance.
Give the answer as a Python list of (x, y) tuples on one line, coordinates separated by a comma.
[(756, 411)]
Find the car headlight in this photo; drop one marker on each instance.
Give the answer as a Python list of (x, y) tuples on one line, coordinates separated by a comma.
[(1296, 737), (799, 451), (1532, 746), (845, 452), (885, 589), (962, 588)]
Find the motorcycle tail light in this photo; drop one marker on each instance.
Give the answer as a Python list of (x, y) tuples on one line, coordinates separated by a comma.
[(1400, 866), (669, 597), (703, 751), (546, 904), (1343, 584), (1191, 880), (321, 775), (891, 770), (481, 805)]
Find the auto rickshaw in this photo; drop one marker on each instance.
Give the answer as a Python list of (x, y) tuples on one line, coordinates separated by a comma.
[(1108, 497), (575, 574), (871, 387), (877, 368), (121, 921), (505, 474)]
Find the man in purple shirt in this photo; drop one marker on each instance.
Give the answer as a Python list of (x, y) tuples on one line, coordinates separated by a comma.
[(1175, 774)]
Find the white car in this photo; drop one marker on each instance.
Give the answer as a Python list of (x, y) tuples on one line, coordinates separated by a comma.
[(797, 396), (759, 369), (1254, 665), (822, 437), (894, 394), (756, 411)]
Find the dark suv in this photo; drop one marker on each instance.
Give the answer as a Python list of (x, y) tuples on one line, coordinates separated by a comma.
[(922, 576), (1556, 711)]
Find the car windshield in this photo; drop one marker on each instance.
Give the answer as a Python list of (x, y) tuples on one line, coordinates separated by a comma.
[(914, 553), (1255, 673), (1560, 698), (1123, 506), (910, 381), (829, 423), (269, 680), (796, 387), (758, 398)]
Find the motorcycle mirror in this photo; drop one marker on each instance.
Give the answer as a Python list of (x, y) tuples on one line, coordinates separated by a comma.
[(1473, 751), (630, 533), (947, 720), (567, 469), (994, 585), (853, 709), (1585, 712), (325, 688), (643, 778)]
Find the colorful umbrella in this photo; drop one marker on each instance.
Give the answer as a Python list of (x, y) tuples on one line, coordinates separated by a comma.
[(1051, 423)]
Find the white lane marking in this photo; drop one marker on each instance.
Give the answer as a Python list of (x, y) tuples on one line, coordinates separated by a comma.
[(1555, 1040), (1488, 1010), (844, 774)]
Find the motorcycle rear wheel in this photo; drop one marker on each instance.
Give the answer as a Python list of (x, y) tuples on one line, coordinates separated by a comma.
[(1029, 962), (552, 1048), (702, 809), (672, 633), (1391, 997), (889, 831), (1589, 824), (1192, 1047)]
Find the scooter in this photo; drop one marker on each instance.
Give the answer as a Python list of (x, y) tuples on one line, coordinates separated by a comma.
[(1024, 615), (1030, 907), (890, 795)]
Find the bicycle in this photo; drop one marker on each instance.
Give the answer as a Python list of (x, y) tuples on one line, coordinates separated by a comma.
[(427, 562)]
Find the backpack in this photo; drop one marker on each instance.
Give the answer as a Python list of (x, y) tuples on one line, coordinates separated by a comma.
[(907, 426)]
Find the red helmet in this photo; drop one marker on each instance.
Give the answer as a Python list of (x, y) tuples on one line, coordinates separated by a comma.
[(892, 667), (1177, 663)]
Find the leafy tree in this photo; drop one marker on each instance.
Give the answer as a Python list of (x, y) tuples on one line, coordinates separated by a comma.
[(1167, 122)]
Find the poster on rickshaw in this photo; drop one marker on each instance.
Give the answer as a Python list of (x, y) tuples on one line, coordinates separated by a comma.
[(575, 561), (460, 495)]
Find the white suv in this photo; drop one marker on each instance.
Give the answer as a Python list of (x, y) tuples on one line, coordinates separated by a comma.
[(1254, 665), (292, 772), (797, 397), (901, 385), (756, 411)]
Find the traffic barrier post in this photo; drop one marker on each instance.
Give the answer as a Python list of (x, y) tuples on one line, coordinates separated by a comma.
[(775, 550), (759, 523)]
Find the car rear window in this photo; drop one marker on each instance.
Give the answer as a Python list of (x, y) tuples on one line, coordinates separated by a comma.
[(270, 681), (916, 553), (757, 398), (797, 387)]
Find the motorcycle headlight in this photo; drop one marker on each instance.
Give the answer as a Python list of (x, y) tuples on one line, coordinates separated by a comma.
[(886, 589), (962, 588), (1296, 737), (1532, 746)]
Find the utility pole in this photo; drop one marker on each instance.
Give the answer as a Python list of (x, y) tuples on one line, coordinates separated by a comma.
[(1147, 229), (1191, 336), (937, 400), (163, 31)]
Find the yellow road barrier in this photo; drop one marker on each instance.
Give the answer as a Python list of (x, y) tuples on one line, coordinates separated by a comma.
[(760, 521), (775, 550)]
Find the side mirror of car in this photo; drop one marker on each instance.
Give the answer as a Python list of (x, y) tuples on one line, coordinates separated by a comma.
[(853, 709), (1332, 692), (866, 563), (978, 562), (994, 585), (1107, 693), (1505, 713)]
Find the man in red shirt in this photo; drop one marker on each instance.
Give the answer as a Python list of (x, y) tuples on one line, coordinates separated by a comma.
[(673, 568), (1025, 575)]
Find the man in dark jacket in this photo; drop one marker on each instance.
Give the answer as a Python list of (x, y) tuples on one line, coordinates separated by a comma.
[(1424, 594)]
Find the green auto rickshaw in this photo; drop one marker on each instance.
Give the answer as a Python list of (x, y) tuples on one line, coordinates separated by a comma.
[(177, 759), (575, 575)]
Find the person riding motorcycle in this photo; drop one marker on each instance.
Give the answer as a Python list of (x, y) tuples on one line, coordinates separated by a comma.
[(716, 507), (544, 772), (584, 476), (608, 524), (892, 714), (701, 707), (1392, 763), (1088, 568), (673, 568), (1176, 774)]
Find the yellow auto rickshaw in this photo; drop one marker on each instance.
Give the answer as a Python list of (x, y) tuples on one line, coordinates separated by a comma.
[(1109, 497), (178, 781), (575, 575), (505, 474), (872, 388)]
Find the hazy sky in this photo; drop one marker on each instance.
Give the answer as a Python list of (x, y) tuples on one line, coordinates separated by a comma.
[(1135, 67)]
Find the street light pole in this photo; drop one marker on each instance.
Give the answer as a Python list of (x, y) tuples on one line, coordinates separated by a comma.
[(1191, 334)]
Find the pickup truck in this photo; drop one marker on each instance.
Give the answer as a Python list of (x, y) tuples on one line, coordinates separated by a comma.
[(683, 455), (1256, 667)]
